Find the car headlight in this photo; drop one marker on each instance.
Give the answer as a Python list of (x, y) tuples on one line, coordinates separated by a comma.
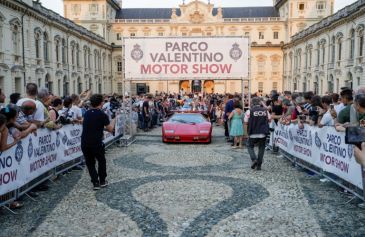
[(169, 131), (204, 131)]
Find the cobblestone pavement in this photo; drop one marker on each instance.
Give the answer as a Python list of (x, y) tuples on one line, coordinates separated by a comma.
[(158, 189)]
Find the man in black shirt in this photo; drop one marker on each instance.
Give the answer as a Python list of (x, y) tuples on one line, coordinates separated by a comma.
[(92, 146), (146, 113)]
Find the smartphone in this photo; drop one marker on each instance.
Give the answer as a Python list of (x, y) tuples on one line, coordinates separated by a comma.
[(355, 136)]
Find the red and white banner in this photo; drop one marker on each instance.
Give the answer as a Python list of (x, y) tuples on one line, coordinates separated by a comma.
[(322, 147), (188, 57)]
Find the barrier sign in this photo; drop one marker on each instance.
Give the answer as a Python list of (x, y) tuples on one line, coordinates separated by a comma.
[(37, 154), (324, 148), (179, 58)]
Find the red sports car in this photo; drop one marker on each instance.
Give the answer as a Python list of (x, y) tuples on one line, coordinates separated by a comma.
[(187, 127)]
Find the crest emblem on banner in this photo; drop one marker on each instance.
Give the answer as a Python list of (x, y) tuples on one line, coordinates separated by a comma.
[(30, 148), (235, 53), (64, 139), (318, 141), (19, 152), (58, 141), (350, 151), (137, 53)]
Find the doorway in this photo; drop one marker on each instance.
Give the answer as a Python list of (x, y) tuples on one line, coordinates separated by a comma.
[(209, 87), (197, 86), (184, 85)]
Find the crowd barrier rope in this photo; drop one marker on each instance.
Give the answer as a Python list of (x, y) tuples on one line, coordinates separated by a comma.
[(41, 156), (323, 151)]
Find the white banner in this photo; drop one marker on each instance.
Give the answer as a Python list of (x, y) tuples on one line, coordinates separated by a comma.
[(322, 147), (37, 154), (181, 58)]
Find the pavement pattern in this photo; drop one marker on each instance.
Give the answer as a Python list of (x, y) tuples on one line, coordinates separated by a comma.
[(161, 189)]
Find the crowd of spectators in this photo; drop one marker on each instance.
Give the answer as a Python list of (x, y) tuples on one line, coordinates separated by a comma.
[(40, 109)]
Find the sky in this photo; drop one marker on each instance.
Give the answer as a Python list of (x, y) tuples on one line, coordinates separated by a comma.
[(57, 6)]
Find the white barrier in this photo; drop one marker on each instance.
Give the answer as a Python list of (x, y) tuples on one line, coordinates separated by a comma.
[(324, 148), (40, 153)]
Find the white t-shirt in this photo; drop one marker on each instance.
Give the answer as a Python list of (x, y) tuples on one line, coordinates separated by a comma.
[(77, 113), (67, 113), (38, 115), (339, 107), (327, 119)]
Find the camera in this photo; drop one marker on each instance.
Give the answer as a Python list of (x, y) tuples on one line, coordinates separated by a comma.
[(64, 121), (114, 106), (355, 136)]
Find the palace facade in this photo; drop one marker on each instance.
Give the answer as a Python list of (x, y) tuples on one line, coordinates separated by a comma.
[(38, 45), (329, 54), (269, 28), (84, 49)]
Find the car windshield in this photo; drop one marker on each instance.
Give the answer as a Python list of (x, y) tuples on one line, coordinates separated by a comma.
[(187, 118)]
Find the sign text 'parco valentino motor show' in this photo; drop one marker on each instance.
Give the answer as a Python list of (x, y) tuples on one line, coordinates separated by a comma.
[(178, 58)]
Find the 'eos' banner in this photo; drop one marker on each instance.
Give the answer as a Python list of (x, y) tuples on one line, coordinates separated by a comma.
[(322, 147), (179, 58)]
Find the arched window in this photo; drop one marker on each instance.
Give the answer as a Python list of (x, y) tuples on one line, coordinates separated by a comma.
[(304, 84), (64, 48), (79, 85), (291, 62), (45, 47), (48, 83), (85, 57), (37, 43), (96, 60), (2, 18), (295, 86), (65, 86), (361, 41), (316, 85), (306, 58), (99, 87), (310, 57), (73, 53), (330, 84), (104, 61), (333, 49), (318, 53), (349, 81), (89, 58), (15, 28), (352, 43), (78, 55), (57, 50), (339, 49), (323, 46), (59, 87)]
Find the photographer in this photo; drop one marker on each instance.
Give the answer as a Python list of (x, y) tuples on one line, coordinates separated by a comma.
[(66, 114)]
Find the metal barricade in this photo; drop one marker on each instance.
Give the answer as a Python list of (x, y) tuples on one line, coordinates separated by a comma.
[(357, 192), (11, 196)]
